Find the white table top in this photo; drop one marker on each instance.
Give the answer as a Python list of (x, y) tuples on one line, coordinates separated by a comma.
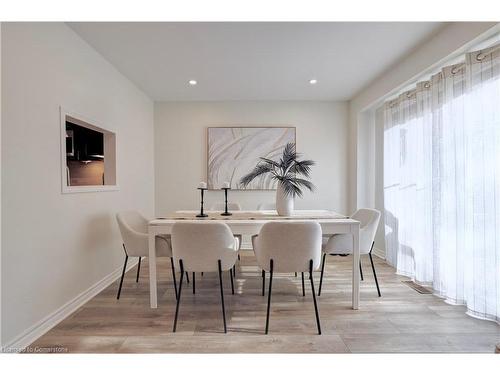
[(253, 216)]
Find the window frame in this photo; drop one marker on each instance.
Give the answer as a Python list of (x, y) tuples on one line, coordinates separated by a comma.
[(109, 152)]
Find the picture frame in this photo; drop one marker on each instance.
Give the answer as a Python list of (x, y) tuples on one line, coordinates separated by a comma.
[(233, 151)]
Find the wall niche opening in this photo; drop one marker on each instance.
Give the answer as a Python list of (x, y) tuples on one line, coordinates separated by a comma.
[(88, 155)]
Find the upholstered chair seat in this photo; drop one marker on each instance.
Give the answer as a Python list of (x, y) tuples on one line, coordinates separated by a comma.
[(231, 206), (134, 231), (341, 244), (163, 244), (285, 247), (203, 247)]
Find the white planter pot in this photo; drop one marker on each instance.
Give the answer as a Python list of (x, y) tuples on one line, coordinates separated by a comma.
[(284, 203)]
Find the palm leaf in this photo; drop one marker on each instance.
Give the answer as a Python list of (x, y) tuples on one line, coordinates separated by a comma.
[(305, 183), (290, 187), (303, 167), (259, 170), (270, 161), (284, 172), (289, 156)]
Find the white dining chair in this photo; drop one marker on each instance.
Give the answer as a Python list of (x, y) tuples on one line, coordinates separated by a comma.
[(134, 230), (271, 207), (266, 206), (341, 244), (285, 247), (231, 206), (203, 247)]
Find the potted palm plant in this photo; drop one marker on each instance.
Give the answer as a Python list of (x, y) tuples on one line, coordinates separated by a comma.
[(286, 173)]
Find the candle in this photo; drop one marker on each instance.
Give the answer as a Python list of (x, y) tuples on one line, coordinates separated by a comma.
[(202, 185), (226, 185)]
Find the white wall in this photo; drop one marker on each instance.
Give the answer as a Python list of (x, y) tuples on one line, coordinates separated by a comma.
[(180, 149), (450, 41), (366, 151), (1, 342), (55, 246)]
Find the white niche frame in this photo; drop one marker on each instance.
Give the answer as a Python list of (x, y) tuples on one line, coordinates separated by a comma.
[(109, 153)]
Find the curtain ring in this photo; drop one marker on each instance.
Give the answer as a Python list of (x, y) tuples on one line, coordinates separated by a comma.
[(454, 70), (427, 85), (480, 56)]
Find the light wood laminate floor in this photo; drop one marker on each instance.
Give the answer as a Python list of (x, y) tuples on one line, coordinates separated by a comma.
[(402, 320)]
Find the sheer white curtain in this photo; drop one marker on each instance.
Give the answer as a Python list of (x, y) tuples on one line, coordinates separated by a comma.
[(442, 183)]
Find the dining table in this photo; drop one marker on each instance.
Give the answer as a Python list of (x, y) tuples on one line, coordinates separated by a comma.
[(249, 223)]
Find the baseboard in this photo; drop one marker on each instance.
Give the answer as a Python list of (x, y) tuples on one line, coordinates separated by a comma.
[(38, 329), (379, 253)]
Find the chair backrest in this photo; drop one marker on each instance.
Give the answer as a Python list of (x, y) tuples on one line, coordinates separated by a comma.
[(369, 219), (221, 206), (266, 206), (291, 245), (134, 230), (201, 244)]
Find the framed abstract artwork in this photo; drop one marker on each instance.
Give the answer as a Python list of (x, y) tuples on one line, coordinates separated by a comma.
[(235, 151)]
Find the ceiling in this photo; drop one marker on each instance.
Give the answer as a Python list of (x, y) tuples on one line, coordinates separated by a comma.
[(253, 61)]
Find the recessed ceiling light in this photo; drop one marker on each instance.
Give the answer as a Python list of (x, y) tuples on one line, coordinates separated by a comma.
[(192, 82), (313, 81)]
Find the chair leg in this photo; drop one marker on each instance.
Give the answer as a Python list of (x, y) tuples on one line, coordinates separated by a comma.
[(187, 277), (263, 282), (138, 270), (123, 274), (303, 288), (234, 270), (178, 295), (314, 296), (239, 256), (232, 282), (374, 273), (269, 295), (173, 276), (222, 295), (322, 272), (194, 283), (361, 270), (295, 274)]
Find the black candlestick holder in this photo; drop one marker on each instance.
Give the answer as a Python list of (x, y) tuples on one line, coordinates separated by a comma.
[(202, 214), (226, 212)]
